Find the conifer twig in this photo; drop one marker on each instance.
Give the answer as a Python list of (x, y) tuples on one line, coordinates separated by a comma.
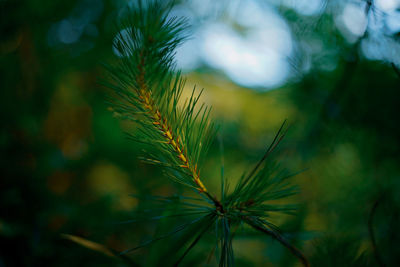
[(371, 231), (396, 69), (277, 139), (296, 252), (161, 123), (148, 92)]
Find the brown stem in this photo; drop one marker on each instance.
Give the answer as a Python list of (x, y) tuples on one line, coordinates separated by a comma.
[(161, 124), (216, 202)]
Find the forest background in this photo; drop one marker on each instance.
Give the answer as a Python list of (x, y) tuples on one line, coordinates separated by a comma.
[(330, 67)]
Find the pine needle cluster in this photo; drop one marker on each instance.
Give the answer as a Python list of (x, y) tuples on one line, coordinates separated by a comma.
[(148, 90)]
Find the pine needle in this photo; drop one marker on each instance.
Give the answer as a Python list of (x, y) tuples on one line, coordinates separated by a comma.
[(147, 90)]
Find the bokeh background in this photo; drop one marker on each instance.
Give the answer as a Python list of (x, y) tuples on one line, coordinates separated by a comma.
[(330, 67)]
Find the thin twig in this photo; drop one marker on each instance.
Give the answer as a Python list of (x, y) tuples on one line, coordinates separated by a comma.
[(296, 252), (371, 232), (396, 69), (216, 202), (271, 147), (193, 243)]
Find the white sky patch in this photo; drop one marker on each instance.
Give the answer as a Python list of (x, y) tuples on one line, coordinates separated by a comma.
[(244, 61), (354, 19), (305, 7), (187, 55), (393, 21), (249, 14), (202, 7), (379, 47), (256, 57), (273, 38), (380, 43), (387, 5)]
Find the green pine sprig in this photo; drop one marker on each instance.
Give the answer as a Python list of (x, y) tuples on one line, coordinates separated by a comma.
[(149, 92), (147, 89)]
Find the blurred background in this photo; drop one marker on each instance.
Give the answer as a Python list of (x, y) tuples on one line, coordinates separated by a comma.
[(332, 68)]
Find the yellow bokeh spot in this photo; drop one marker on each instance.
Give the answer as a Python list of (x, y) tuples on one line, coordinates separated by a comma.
[(107, 179)]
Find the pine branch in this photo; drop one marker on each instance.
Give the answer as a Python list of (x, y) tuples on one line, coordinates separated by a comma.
[(371, 231), (148, 91), (161, 124)]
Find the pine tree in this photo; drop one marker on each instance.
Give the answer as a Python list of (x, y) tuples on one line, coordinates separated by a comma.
[(147, 89)]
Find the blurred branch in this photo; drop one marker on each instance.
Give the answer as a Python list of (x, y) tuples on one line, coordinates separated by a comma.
[(371, 231), (396, 69), (348, 71), (98, 247), (296, 252)]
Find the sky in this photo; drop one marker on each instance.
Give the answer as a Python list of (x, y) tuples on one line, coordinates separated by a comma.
[(258, 56), (249, 41)]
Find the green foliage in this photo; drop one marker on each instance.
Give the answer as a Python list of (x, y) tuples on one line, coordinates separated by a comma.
[(261, 185), (334, 251), (148, 91), (66, 168)]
